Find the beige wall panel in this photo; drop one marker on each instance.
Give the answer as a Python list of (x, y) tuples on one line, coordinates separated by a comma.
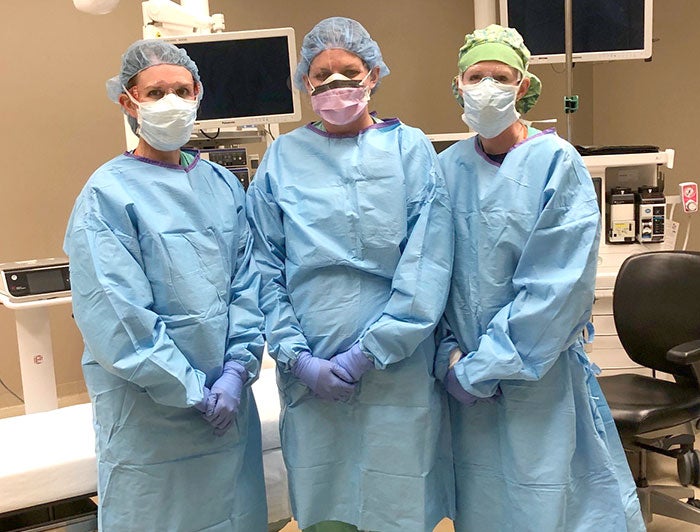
[(58, 126)]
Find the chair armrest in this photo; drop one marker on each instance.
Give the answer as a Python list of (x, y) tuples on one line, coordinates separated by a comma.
[(686, 353)]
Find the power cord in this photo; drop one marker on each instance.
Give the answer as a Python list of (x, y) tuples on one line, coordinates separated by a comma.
[(210, 137), (687, 234), (2, 383)]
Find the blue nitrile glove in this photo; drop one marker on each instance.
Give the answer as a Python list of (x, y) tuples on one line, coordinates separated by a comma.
[(227, 391), (354, 362), (455, 389), (323, 377), (206, 405)]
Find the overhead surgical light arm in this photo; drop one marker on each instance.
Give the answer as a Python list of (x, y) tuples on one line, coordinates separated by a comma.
[(164, 18)]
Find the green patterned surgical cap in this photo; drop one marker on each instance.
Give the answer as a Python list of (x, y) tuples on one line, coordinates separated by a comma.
[(497, 43)]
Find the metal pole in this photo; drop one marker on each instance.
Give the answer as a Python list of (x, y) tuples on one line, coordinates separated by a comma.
[(568, 44)]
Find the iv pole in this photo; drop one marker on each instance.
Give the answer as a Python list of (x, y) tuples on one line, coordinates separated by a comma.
[(570, 100)]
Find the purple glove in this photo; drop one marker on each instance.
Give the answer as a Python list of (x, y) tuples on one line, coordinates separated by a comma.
[(455, 389), (323, 377), (354, 362), (206, 405), (227, 392)]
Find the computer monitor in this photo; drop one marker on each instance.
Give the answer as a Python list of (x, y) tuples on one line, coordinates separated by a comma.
[(603, 30), (246, 77)]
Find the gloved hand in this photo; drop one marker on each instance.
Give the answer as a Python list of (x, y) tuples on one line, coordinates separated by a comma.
[(227, 392), (206, 405), (325, 378), (455, 389), (354, 362)]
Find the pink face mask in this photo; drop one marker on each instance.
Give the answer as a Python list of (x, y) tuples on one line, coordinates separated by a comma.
[(342, 104)]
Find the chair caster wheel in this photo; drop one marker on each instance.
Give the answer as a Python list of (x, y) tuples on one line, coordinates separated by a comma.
[(688, 465), (694, 502)]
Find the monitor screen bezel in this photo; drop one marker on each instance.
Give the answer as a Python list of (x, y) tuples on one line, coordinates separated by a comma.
[(233, 123), (600, 56)]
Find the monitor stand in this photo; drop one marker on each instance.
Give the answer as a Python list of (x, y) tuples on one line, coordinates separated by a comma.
[(36, 352)]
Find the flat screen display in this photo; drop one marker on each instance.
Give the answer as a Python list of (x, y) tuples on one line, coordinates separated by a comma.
[(45, 281), (246, 77), (602, 30)]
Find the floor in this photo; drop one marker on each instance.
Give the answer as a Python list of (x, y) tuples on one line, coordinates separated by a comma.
[(661, 470)]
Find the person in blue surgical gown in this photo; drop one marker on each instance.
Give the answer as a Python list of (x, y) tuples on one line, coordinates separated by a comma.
[(535, 447), (165, 293), (354, 242)]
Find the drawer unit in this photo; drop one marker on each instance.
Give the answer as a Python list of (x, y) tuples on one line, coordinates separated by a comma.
[(606, 351)]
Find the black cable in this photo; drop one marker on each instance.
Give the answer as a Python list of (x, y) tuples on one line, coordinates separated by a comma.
[(552, 65), (218, 130), (269, 132), (13, 393)]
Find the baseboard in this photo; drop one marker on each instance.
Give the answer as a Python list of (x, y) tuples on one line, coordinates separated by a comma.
[(68, 393)]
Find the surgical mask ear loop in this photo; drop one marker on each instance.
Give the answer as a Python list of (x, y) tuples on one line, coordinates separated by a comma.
[(368, 90), (138, 107), (133, 100), (310, 87)]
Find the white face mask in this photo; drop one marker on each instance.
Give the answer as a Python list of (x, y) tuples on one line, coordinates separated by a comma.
[(489, 106), (166, 124)]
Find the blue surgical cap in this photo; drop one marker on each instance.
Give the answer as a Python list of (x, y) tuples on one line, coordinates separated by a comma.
[(144, 54), (338, 32)]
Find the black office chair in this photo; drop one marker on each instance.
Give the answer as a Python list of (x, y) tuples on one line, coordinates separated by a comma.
[(656, 306)]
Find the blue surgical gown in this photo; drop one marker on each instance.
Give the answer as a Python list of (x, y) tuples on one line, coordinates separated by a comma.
[(543, 455), (164, 291), (354, 241)]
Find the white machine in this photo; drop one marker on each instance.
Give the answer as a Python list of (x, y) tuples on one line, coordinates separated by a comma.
[(32, 280), (29, 288)]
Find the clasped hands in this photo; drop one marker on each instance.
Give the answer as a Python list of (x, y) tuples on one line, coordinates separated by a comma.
[(334, 379), (220, 403), (455, 388)]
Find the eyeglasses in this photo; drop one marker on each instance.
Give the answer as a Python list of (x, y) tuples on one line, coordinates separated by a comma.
[(478, 78), (153, 93)]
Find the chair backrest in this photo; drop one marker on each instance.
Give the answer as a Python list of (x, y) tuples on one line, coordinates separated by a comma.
[(656, 306)]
